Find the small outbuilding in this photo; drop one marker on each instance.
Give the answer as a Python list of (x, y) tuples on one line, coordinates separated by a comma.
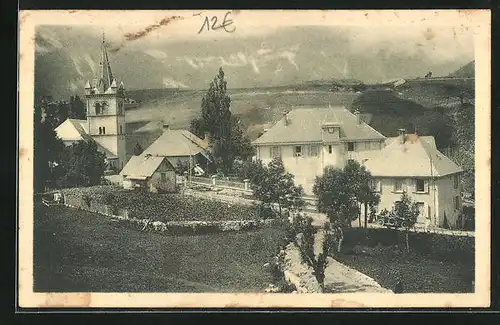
[(152, 173)]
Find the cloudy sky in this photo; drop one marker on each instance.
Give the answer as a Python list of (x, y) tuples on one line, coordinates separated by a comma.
[(158, 49)]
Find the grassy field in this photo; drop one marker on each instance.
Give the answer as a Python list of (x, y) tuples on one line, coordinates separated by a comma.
[(255, 106), (84, 252), (419, 273)]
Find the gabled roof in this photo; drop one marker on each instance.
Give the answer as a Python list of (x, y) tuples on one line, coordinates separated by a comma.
[(72, 130), (142, 167), (175, 143), (416, 157), (150, 126), (76, 130), (304, 125)]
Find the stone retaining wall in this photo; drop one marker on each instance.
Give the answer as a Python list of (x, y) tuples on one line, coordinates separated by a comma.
[(299, 273), (181, 227)]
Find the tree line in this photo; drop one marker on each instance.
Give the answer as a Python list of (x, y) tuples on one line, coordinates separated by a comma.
[(57, 165)]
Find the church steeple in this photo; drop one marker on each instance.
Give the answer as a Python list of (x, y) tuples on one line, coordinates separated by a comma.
[(105, 78)]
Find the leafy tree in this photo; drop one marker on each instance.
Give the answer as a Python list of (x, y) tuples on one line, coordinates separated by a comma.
[(227, 139), (83, 164), (196, 127), (406, 210), (77, 108), (47, 150), (463, 155), (276, 185), (341, 192), (254, 171), (361, 185)]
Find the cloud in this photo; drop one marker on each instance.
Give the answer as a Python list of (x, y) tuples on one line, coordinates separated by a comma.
[(156, 54), (254, 65), (91, 63), (264, 51), (171, 83), (197, 63), (290, 56), (76, 63), (41, 50), (50, 38)]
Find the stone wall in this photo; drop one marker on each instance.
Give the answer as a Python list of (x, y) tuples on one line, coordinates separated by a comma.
[(298, 273)]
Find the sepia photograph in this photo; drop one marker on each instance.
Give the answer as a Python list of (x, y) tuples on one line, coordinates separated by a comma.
[(254, 158)]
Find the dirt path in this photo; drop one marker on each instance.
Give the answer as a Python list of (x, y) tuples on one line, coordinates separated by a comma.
[(341, 279)]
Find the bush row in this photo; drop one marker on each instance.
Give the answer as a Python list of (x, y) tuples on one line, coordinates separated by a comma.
[(440, 246), (184, 227)]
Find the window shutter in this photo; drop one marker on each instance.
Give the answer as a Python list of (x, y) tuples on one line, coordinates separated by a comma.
[(415, 182), (379, 185), (426, 186)]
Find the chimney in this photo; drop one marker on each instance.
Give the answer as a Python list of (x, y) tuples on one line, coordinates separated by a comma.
[(401, 135), (358, 116), (286, 119)]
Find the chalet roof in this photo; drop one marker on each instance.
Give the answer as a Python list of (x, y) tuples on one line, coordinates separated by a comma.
[(416, 157), (76, 130), (142, 167), (177, 143), (72, 130), (150, 126), (304, 125)]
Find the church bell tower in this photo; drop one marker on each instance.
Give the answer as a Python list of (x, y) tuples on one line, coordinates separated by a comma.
[(106, 113)]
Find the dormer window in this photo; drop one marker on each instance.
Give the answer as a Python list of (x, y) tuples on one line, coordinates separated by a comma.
[(298, 151)]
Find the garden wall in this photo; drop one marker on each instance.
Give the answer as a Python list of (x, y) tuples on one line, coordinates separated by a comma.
[(436, 245)]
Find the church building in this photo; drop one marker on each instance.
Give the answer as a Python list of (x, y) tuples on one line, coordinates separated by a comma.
[(105, 123)]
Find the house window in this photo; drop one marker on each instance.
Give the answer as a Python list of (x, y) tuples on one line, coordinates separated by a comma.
[(421, 208), (103, 130), (100, 130), (314, 150), (420, 185), (97, 108), (121, 130), (455, 181), (375, 185), (330, 148), (350, 146), (163, 177), (275, 152), (398, 185), (456, 202), (298, 151)]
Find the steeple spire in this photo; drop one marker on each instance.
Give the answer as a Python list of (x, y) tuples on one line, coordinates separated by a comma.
[(105, 76)]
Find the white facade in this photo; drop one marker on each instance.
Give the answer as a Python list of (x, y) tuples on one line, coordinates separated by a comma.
[(308, 160)]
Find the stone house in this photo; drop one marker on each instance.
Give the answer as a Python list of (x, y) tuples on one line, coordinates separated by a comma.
[(151, 173)]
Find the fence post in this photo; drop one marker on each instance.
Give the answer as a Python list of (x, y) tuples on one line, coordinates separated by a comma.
[(246, 183), (213, 180)]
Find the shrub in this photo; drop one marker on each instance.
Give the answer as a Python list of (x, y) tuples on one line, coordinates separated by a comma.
[(87, 199), (265, 211)]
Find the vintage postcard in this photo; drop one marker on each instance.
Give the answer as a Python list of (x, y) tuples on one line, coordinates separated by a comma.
[(254, 158)]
